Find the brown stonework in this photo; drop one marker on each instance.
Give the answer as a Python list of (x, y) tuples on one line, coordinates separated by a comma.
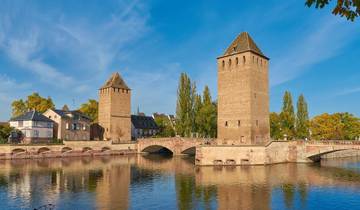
[(243, 94), (114, 110)]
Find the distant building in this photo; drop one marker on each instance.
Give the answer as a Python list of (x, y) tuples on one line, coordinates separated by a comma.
[(35, 127), (143, 126), (114, 110), (69, 125)]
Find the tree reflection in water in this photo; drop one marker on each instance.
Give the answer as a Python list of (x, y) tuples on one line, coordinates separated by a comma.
[(156, 182)]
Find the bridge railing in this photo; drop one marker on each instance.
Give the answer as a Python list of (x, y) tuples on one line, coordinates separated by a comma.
[(329, 142)]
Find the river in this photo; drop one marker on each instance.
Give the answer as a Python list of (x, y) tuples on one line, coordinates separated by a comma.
[(159, 182)]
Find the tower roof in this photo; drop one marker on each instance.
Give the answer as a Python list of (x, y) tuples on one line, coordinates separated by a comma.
[(243, 43), (115, 81)]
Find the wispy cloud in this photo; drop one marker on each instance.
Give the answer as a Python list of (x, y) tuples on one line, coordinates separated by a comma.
[(321, 41), (61, 48), (61, 51), (348, 91)]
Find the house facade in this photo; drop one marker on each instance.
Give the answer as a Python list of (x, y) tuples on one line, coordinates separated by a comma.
[(69, 125), (35, 127), (143, 126)]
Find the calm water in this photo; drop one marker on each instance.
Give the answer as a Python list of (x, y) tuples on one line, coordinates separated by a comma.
[(155, 182)]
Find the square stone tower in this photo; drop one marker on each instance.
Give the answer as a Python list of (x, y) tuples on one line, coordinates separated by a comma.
[(115, 109), (243, 94)]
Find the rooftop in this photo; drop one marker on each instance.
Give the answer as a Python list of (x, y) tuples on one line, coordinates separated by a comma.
[(75, 114), (243, 43), (115, 81), (143, 122), (31, 116)]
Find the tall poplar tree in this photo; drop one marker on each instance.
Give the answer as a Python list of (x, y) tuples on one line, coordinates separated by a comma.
[(287, 117), (302, 119), (206, 119), (197, 108), (184, 106)]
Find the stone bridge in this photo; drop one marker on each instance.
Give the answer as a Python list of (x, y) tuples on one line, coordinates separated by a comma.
[(177, 145), (315, 149)]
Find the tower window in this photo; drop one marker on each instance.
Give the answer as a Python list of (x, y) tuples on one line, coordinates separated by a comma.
[(237, 61), (239, 123), (229, 62), (257, 60), (223, 63), (253, 59), (226, 123), (244, 59)]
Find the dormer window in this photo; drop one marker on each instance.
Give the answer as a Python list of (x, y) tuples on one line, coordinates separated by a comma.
[(234, 49)]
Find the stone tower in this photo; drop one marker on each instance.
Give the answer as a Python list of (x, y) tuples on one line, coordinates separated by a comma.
[(243, 94), (115, 109)]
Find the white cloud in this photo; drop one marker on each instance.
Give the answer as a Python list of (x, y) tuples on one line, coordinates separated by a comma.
[(321, 41), (58, 49)]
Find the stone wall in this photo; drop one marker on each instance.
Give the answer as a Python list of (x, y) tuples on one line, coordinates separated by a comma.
[(243, 98), (67, 149)]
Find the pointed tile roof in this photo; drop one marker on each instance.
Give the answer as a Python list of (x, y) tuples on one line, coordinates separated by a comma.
[(243, 43), (115, 81)]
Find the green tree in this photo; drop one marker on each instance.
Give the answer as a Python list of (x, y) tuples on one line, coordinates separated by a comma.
[(90, 109), (5, 131), (302, 119), (350, 9), (207, 116), (287, 117), (65, 108), (197, 108), (184, 106), (33, 102), (165, 127), (275, 126)]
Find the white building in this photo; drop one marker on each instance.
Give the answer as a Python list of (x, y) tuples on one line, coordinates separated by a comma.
[(35, 127)]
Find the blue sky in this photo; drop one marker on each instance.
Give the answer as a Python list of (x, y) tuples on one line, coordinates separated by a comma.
[(67, 49)]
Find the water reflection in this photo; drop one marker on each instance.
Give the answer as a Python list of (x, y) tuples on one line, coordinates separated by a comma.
[(154, 182)]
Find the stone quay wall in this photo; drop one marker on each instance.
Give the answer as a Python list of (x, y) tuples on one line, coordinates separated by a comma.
[(67, 149)]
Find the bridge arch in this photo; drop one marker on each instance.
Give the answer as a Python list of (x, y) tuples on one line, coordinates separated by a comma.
[(66, 150), (316, 157), (105, 149), (18, 151), (189, 151), (157, 149), (43, 150), (87, 149)]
